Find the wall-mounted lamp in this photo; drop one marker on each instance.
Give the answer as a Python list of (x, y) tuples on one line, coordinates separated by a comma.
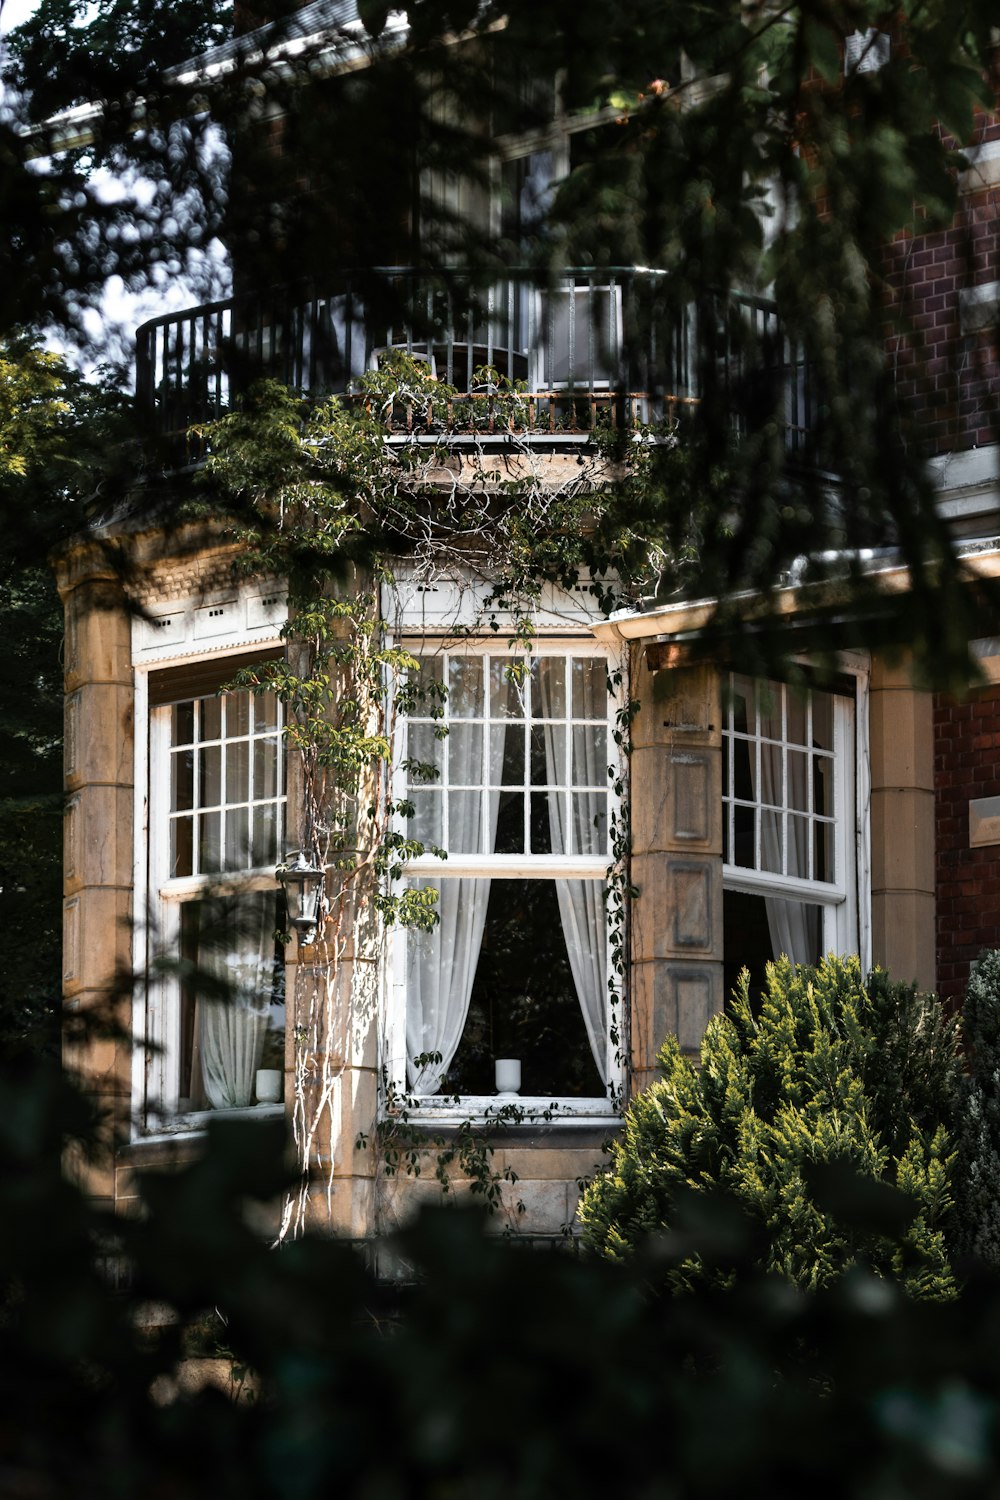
[(303, 883)]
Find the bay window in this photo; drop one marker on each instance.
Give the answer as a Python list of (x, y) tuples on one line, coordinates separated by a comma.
[(506, 768), (216, 813)]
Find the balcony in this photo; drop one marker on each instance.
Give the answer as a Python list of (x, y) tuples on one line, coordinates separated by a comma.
[(589, 348)]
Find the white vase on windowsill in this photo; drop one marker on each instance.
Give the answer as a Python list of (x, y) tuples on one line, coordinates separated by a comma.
[(268, 1085), (507, 1071)]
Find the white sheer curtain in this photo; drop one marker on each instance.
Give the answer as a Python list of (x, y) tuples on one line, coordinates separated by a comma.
[(442, 972), (581, 902), (236, 949), (793, 925), (442, 962)]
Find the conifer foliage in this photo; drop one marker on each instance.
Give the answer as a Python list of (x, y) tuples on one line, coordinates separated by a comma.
[(978, 1139), (836, 1074)]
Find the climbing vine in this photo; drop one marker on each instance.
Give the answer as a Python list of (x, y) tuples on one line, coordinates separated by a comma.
[(334, 497)]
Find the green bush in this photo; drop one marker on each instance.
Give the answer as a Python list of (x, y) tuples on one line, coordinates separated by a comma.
[(978, 1133), (836, 1074)]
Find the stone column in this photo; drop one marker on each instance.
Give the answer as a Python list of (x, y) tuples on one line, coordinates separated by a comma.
[(335, 998), (676, 796), (98, 864), (902, 823)]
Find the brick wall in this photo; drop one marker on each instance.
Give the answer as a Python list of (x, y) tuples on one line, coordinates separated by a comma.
[(966, 765), (951, 379)]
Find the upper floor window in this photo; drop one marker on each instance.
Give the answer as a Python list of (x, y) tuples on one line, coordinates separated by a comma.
[(788, 822), (505, 767)]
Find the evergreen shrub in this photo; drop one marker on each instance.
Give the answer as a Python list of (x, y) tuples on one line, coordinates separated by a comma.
[(978, 1133), (835, 1073)]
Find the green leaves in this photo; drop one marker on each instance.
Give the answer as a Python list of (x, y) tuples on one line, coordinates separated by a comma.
[(835, 1073)]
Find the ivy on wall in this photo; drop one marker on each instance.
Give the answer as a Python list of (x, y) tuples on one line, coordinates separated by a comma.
[(335, 497)]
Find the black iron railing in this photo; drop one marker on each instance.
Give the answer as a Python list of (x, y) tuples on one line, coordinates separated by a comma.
[(590, 346)]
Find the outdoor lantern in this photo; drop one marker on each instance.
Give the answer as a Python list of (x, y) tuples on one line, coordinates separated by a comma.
[(303, 884)]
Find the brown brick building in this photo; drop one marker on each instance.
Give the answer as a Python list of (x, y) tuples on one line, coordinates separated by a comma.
[(857, 814)]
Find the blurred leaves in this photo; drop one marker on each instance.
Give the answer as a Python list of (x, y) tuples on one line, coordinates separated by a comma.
[(472, 1367), (62, 457)]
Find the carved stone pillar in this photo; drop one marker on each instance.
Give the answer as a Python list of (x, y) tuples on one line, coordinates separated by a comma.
[(98, 848), (676, 792), (902, 824)]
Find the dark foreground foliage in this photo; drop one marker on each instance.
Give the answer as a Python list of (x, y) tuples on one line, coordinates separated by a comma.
[(484, 1370)]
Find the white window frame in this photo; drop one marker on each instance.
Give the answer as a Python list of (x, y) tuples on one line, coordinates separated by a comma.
[(530, 1109), (844, 902), (156, 1017)]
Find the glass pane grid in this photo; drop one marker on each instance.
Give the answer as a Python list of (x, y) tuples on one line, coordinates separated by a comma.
[(514, 728), (778, 780), (227, 784)]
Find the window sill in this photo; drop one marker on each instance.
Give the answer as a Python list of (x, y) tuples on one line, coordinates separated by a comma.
[(584, 1134), (196, 1123), (488, 1111)]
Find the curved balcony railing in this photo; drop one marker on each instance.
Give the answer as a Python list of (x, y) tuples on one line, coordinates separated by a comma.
[(588, 347)]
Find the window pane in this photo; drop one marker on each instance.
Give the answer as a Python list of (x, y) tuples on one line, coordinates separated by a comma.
[(507, 754), (210, 780), (508, 687), (823, 852), (548, 754), (265, 713), (465, 687), (541, 822), (589, 811), (182, 780), (822, 720), (211, 718), (427, 751), (548, 681), (772, 834), (266, 767), (182, 724), (465, 755), (510, 823), (238, 852), (744, 769), (238, 771), (798, 792), (422, 691), (426, 824), (237, 713), (798, 834), (181, 847), (265, 834), (590, 755), (823, 776), (590, 688), (209, 848), (465, 822), (744, 837)]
